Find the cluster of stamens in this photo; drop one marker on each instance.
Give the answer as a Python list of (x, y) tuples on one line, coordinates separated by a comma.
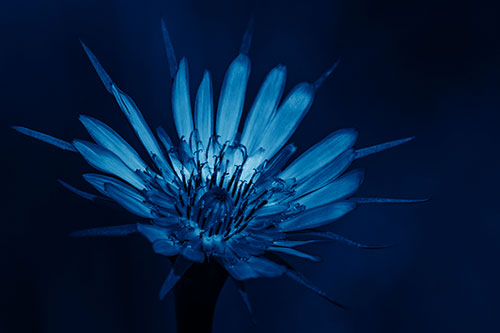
[(216, 192)]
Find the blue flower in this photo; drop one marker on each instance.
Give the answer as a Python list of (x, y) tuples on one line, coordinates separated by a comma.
[(219, 194)]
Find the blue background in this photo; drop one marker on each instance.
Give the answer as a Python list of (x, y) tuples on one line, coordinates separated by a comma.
[(428, 68)]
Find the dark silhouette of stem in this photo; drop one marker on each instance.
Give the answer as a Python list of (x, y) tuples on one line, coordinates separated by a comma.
[(196, 296)]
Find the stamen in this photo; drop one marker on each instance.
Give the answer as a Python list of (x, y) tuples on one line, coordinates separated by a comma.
[(214, 197), (178, 210)]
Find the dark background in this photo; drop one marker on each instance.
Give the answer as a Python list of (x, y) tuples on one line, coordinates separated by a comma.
[(428, 69)]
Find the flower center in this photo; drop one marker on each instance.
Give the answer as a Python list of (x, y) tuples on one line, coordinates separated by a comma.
[(220, 192), (217, 205)]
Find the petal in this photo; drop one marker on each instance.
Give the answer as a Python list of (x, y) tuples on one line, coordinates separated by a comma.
[(232, 97), (203, 112), (294, 252), (341, 188), (293, 243), (381, 147), (181, 103), (387, 200), (181, 265), (169, 147), (255, 267), (142, 130), (161, 199), (45, 138), (242, 290), (326, 174), (275, 165), (109, 139), (129, 199), (287, 118), (81, 193), (252, 164), (193, 253), (114, 231), (263, 108), (319, 82), (106, 80), (98, 181), (318, 216), (169, 49), (134, 116), (298, 277), (320, 154), (213, 151), (247, 37), (153, 233), (106, 161), (327, 235), (166, 248)]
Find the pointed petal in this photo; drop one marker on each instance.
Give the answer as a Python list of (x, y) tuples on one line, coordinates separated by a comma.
[(263, 108), (232, 97), (387, 200), (192, 253), (204, 113), (134, 116), (152, 232), (298, 277), (129, 199), (169, 49), (166, 248), (89, 196), (45, 138), (142, 130), (181, 265), (247, 37), (327, 235), (294, 252), (186, 156), (254, 267), (287, 118), (318, 216), (109, 139), (278, 161), (131, 111), (181, 102), (106, 80), (169, 147), (81, 193), (106, 161), (378, 148), (114, 231), (98, 181), (293, 243), (319, 155), (339, 189), (327, 174), (324, 76), (242, 290)]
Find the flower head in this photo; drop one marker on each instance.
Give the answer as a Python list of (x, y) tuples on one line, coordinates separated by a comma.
[(219, 194)]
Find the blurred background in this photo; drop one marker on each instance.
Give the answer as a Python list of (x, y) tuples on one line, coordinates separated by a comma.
[(427, 69)]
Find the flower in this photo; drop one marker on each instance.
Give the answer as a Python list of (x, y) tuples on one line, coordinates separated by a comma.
[(221, 195)]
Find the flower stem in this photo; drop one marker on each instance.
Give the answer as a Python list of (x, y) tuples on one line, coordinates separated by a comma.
[(196, 296)]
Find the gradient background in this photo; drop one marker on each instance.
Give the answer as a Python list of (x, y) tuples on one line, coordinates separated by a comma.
[(428, 69)]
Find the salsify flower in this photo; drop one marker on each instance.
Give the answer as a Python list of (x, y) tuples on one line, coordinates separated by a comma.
[(219, 194)]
